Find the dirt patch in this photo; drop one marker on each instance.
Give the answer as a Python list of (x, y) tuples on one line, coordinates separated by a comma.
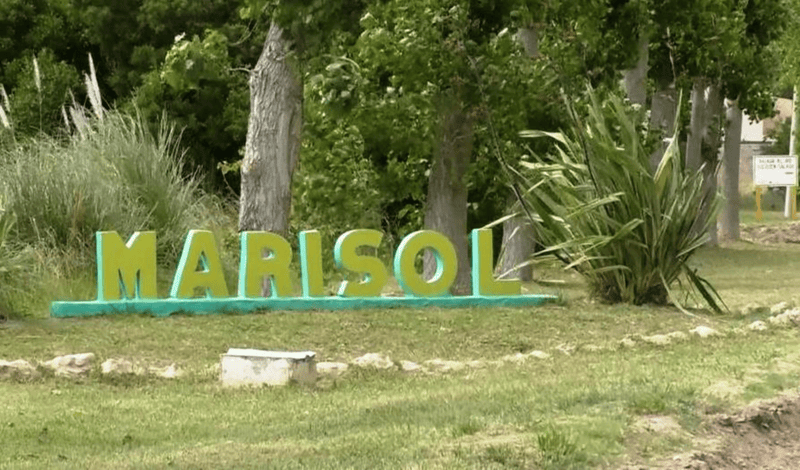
[(769, 234), (761, 436)]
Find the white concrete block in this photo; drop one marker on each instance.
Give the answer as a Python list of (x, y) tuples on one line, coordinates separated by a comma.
[(255, 367)]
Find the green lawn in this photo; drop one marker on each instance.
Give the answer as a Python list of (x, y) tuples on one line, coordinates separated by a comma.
[(576, 410)]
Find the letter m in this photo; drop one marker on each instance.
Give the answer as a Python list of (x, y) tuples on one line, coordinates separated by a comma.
[(126, 270)]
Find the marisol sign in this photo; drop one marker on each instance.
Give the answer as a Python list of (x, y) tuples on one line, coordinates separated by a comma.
[(126, 275)]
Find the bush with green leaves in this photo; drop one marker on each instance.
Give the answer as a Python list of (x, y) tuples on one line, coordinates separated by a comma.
[(597, 206), (112, 175)]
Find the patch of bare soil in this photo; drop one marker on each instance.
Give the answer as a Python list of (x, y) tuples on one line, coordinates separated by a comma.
[(764, 436), (781, 233)]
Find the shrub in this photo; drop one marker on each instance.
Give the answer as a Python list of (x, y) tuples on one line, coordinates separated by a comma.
[(114, 175), (597, 206)]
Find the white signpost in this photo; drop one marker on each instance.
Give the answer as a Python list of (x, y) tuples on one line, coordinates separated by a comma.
[(774, 170)]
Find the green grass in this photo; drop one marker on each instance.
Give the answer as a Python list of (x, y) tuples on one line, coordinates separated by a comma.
[(569, 411)]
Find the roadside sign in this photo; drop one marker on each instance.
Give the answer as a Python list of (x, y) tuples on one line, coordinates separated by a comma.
[(774, 170)]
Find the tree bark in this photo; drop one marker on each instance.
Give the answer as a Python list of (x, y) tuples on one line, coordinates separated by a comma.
[(518, 247), (663, 110), (729, 219), (446, 208), (636, 78), (273, 139), (694, 141), (712, 136), (518, 237)]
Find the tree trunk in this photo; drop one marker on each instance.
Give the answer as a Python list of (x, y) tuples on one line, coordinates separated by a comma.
[(712, 137), (694, 141), (729, 220), (273, 139), (446, 208), (787, 207), (273, 142), (518, 237), (636, 78), (518, 247), (663, 110)]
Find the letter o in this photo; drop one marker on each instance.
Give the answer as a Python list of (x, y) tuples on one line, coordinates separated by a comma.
[(446, 264)]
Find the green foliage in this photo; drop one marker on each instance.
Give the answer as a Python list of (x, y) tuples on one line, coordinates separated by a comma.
[(43, 87), (117, 177), (197, 89), (597, 206)]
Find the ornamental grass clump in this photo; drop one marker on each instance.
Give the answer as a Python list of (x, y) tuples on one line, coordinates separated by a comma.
[(597, 205)]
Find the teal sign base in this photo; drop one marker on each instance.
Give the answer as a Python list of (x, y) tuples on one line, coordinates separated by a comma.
[(208, 306)]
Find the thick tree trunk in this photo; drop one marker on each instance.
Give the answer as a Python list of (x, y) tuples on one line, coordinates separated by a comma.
[(663, 110), (712, 137), (729, 219), (636, 78), (518, 237), (518, 246), (273, 139), (446, 208), (694, 141), (273, 142)]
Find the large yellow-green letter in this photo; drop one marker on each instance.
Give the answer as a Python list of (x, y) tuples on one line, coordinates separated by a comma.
[(200, 248), (126, 270), (254, 267), (346, 257), (483, 281), (311, 263), (446, 264)]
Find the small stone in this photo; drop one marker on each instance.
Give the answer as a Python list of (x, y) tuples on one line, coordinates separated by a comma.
[(409, 366), (627, 343), (757, 325), (71, 365), (374, 360), (780, 307), (678, 336), (168, 372), (518, 357), (440, 365), (591, 348), (539, 354), (658, 340), (566, 349), (331, 369), (704, 331), (117, 366), (19, 369), (751, 309), (477, 364)]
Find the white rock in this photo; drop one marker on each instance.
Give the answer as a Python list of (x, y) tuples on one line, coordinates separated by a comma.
[(677, 336), (780, 307), (751, 308), (254, 367), (409, 366), (704, 331), (566, 349), (168, 372), (757, 325), (780, 320), (659, 340), (19, 369), (117, 366), (331, 369), (591, 348), (539, 354), (441, 365), (374, 360), (518, 357), (627, 343), (71, 365), (477, 364)]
